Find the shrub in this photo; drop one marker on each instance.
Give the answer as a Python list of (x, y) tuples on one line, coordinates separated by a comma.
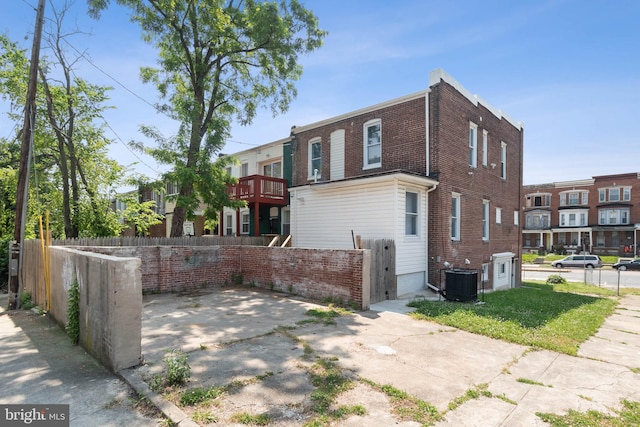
[(556, 279), (176, 368), (73, 312), (25, 301)]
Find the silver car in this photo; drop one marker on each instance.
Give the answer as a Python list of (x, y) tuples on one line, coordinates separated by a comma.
[(588, 261)]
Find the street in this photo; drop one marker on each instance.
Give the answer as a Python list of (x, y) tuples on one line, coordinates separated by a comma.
[(604, 277)]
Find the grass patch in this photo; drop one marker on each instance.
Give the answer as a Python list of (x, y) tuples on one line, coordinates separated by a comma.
[(204, 395), (407, 407), (472, 393), (531, 382), (629, 415), (325, 316), (205, 417), (248, 419), (535, 316), (327, 377)]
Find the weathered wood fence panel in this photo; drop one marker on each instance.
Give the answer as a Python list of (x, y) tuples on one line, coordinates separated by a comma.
[(384, 283), (167, 241)]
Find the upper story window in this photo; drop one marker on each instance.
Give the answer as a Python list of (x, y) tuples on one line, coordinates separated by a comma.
[(411, 214), (573, 198), (503, 160), (315, 158), (613, 216), (485, 147), (537, 220), (538, 200), (614, 194), (273, 170), (473, 145), (244, 170), (372, 144), (485, 220), (229, 170), (455, 216), (172, 188)]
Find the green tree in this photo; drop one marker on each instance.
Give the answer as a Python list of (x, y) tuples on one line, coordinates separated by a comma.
[(73, 176), (220, 60)]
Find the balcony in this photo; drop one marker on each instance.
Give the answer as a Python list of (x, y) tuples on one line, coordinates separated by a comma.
[(261, 189)]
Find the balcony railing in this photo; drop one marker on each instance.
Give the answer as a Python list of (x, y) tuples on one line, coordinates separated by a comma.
[(261, 189)]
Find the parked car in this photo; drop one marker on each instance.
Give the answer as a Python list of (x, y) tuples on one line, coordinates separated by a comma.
[(627, 265), (588, 261)]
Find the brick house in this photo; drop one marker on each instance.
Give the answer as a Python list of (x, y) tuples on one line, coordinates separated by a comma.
[(438, 171), (600, 215)]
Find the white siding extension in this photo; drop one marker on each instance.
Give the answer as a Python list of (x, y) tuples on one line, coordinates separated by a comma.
[(324, 215)]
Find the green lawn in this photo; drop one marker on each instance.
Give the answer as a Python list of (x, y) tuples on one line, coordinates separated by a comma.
[(539, 315)]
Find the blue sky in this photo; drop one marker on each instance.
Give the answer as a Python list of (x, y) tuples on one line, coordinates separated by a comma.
[(569, 70)]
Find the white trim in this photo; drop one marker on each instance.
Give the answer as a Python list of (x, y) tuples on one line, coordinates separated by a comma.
[(310, 172), (457, 236), (365, 144), (473, 145)]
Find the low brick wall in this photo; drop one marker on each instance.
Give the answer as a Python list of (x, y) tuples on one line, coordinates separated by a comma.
[(314, 273)]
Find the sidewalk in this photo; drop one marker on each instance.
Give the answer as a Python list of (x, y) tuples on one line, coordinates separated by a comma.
[(229, 335), (40, 365)]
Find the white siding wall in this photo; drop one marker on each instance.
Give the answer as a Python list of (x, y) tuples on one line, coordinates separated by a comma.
[(336, 171), (323, 217)]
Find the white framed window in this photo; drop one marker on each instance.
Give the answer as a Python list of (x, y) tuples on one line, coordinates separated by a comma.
[(503, 160), (172, 188), (372, 144), (244, 218), (538, 199), (273, 169), (485, 147), (516, 218), (626, 194), (498, 215), (614, 194), (473, 145), (485, 220), (613, 216), (602, 195), (315, 158), (411, 214), (455, 216), (244, 170), (228, 225)]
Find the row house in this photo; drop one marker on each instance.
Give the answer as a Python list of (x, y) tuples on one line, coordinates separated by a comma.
[(600, 215), (438, 171)]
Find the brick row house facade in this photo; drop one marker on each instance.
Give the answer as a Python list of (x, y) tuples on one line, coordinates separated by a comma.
[(600, 215), (438, 171)]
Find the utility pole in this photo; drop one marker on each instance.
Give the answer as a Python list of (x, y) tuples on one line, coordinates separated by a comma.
[(25, 155)]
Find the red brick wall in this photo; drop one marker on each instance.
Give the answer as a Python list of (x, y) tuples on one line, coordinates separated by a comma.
[(312, 273), (450, 114), (403, 142)]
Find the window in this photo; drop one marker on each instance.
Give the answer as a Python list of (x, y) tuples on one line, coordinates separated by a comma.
[(600, 239), (315, 158), (286, 222), (172, 188), (411, 214), (455, 216), (273, 170), (498, 215), (372, 144), (613, 194), (537, 220), (485, 220), (245, 223), (473, 145), (229, 171), (535, 200), (503, 160), (613, 216), (244, 170), (516, 218), (228, 225), (485, 143), (574, 198), (615, 239)]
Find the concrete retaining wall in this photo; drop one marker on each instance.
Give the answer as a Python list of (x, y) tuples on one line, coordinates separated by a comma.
[(110, 303)]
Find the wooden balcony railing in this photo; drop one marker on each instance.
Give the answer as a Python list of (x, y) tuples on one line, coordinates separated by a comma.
[(261, 189)]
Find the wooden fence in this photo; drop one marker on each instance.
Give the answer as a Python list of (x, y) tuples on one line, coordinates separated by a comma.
[(384, 284), (166, 241)]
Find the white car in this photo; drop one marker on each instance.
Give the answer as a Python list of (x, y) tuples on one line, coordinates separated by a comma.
[(588, 261)]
